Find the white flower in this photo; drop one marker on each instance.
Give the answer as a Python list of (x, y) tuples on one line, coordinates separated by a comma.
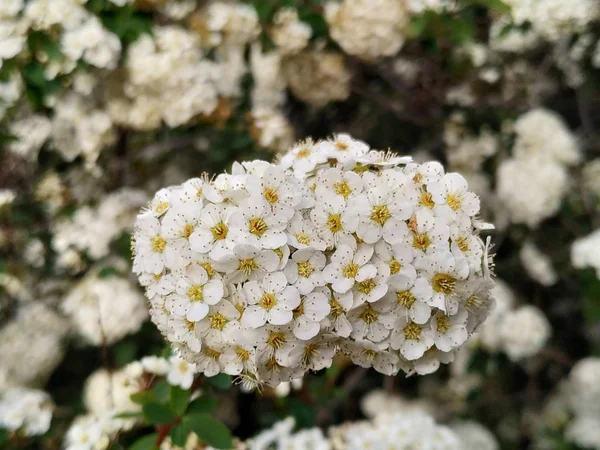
[(443, 273), (211, 235), (382, 214), (373, 288), (255, 223), (585, 252), (410, 338), (349, 266), (194, 292), (149, 246), (372, 321), (302, 234), (304, 270), (222, 322), (452, 198), (339, 305), (343, 148), (247, 263), (313, 354), (302, 158), (155, 365), (272, 300), (276, 189), (307, 316), (333, 219), (370, 354), (449, 332), (177, 226), (411, 297), (334, 181), (181, 373)]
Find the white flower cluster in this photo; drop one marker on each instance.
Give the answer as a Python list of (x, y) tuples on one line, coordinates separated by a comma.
[(532, 184), (267, 272), (393, 430), (585, 252), (26, 410), (554, 19), (103, 310), (106, 395), (31, 345), (574, 409), (520, 332)]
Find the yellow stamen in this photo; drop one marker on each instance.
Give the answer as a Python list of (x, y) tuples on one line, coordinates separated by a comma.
[(268, 301), (257, 226), (342, 188), (405, 298), (219, 231), (443, 283), (412, 331), (350, 270), (334, 223), (380, 214), (305, 269), (158, 244)]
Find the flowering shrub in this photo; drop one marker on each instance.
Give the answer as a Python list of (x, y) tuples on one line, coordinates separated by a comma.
[(271, 270), (107, 107)]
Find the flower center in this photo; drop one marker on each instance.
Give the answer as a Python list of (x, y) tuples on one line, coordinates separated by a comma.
[(195, 293), (334, 223), (242, 353), (213, 354), (365, 287), (183, 366), (426, 200), (342, 188), (247, 266), (417, 178), (341, 146), (369, 315), (443, 324), (453, 201), (305, 269), (463, 244), (276, 340), (395, 266), (336, 309), (278, 252), (421, 241), (299, 311), (218, 321), (473, 302), (350, 270), (412, 331), (219, 231), (161, 207), (257, 226), (188, 230), (380, 214), (191, 326), (309, 351), (405, 298), (158, 244), (209, 269), (268, 301), (303, 238), (271, 195), (443, 283), (303, 153)]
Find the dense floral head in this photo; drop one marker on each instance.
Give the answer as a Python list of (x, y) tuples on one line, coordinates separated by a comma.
[(268, 272)]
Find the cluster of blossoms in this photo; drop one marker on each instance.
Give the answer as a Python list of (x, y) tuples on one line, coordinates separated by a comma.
[(267, 272), (28, 411), (401, 430)]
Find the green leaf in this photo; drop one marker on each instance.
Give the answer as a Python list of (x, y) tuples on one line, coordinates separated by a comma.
[(144, 443), (142, 397), (157, 413), (3, 436), (179, 434), (179, 400), (129, 415), (220, 381), (204, 404), (303, 413), (417, 26), (210, 430), (161, 391), (107, 272)]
